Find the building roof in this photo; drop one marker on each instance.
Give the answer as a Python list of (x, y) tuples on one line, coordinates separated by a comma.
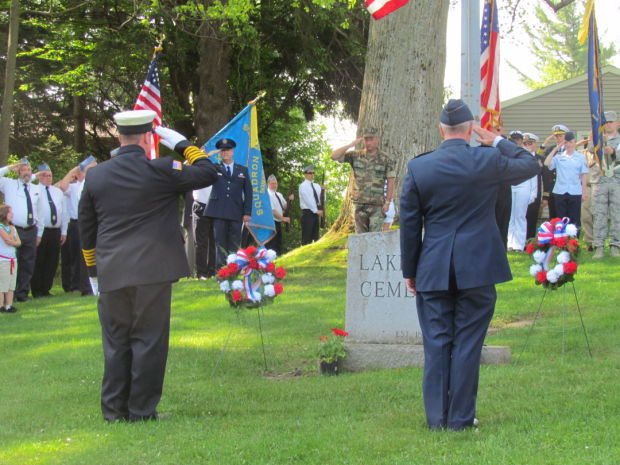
[(565, 102)]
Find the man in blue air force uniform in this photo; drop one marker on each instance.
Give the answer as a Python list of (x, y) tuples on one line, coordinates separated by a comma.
[(133, 248), (230, 203), (450, 193)]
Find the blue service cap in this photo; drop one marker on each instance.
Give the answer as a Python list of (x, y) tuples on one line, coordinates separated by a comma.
[(43, 167), (225, 144), (87, 161), (24, 161), (455, 112)]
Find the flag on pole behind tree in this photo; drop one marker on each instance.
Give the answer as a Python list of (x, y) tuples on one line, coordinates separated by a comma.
[(589, 31), (489, 67), (150, 99), (380, 8), (243, 129)]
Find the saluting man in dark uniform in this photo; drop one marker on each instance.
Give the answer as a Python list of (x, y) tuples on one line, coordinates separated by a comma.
[(133, 248), (450, 194), (230, 203)]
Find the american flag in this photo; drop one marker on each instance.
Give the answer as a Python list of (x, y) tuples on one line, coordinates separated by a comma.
[(489, 67), (380, 8), (149, 99)]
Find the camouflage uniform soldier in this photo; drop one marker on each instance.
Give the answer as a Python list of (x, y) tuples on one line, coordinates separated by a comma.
[(606, 191), (371, 168)]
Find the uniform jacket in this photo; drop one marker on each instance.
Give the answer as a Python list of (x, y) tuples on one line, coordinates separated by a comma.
[(369, 175), (451, 193), (231, 197), (129, 213)]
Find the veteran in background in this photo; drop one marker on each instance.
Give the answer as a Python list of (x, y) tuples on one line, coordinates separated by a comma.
[(55, 218), (606, 191), (311, 208), (25, 200), (371, 168)]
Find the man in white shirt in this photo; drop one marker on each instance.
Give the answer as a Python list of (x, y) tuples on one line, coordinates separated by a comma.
[(203, 235), (73, 268), (55, 218), (24, 199), (311, 208), (278, 207)]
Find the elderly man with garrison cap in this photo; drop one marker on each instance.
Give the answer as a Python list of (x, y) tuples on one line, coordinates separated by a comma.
[(134, 251), (370, 169), (450, 194)]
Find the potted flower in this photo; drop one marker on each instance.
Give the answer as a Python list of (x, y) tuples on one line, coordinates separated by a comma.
[(331, 350)]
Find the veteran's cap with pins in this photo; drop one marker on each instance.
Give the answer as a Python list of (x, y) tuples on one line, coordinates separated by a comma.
[(87, 161), (134, 121), (24, 161)]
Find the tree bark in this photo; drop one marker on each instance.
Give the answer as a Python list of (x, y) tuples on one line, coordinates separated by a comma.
[(403, 85), (9, 83), (213, 105), (79, 133)]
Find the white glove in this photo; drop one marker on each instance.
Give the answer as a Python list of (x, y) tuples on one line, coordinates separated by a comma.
[(94, 285), (169, 137)]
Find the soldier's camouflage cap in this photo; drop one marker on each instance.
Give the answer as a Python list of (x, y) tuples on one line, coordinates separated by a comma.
[(370, 132)]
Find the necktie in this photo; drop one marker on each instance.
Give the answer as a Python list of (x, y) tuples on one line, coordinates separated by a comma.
[(316, 197), (30, 220), (228, 171), (52, 206)]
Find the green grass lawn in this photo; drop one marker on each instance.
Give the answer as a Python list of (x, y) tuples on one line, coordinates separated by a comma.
[(553, 405)]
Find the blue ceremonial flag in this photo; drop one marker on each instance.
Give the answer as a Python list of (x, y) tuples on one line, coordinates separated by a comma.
[(589, 31), (243, 129)]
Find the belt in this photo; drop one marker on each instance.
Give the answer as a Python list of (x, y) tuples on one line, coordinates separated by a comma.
[(73, 220), (308, 211), (12, 259), (25, 228)]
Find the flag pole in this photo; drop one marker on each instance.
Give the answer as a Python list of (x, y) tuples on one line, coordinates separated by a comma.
[(470, 56)]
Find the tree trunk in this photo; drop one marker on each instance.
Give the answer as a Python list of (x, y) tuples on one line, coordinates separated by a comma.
[(403, 85), (9, 83), (213, 106), (79, 133)]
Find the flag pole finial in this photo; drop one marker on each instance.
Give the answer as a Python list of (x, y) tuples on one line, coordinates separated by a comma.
[(260, 95), (159, 47)]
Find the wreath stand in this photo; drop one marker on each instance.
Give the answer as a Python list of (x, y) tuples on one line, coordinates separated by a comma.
[(242, 323), (564, 316)]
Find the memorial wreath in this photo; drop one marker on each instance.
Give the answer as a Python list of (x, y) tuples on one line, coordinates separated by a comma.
[(251, 278), (556, 239)]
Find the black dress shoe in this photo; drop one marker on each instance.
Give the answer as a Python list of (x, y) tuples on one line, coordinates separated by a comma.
[(10, 309), (23, 299), (3, 310)]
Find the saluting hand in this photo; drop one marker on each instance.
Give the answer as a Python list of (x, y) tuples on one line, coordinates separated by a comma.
[(169, 137), (486, 137)]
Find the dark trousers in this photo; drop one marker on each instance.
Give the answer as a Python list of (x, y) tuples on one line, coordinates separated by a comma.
[(48, 255), (74, 273), (309, 227), (26, 257), (570, 206), (503, 207), (227, 234), (276, 241), (531, 217), (205, 246), (135, 325), (454, 324)]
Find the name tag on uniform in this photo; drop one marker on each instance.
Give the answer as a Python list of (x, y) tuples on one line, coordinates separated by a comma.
[(241, 175)]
